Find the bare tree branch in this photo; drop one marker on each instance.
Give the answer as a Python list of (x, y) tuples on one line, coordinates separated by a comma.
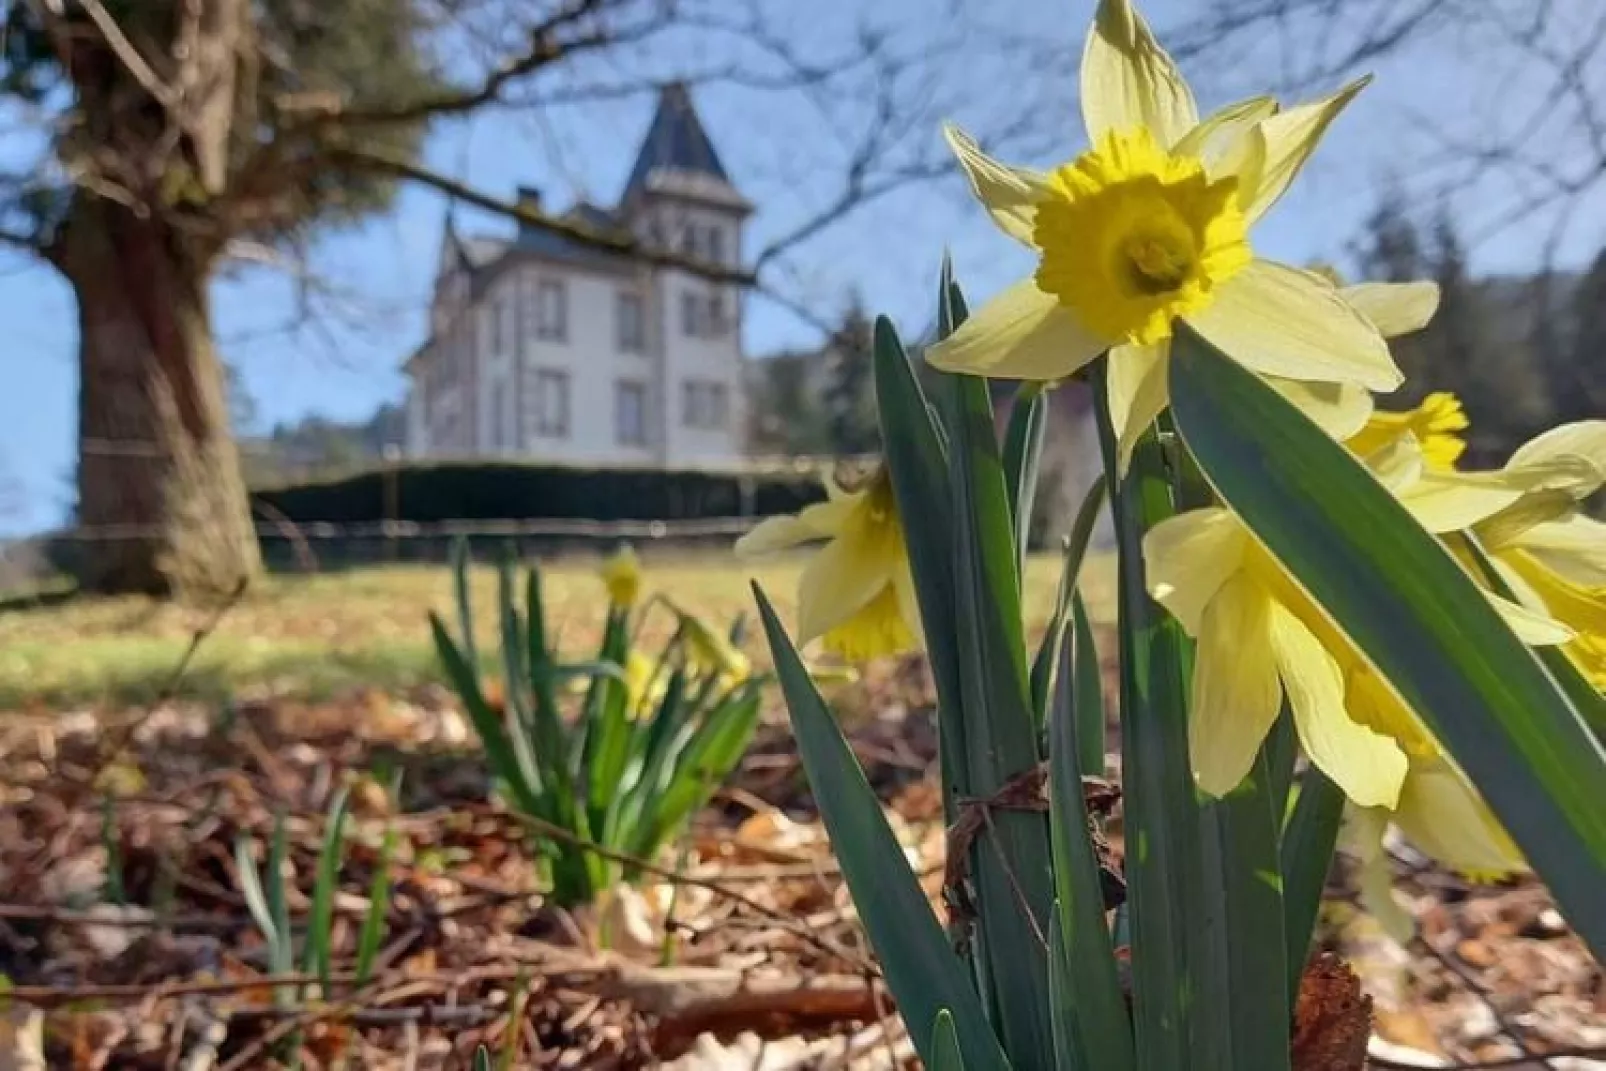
[(122, 47), (596, 238)]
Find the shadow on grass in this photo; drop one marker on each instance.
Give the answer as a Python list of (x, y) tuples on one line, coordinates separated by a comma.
[(37, 598), (218, 674)]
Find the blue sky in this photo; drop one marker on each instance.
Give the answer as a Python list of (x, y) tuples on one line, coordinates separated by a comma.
[(889, 252)]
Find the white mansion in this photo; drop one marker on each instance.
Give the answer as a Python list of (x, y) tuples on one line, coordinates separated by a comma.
[(545, 348)]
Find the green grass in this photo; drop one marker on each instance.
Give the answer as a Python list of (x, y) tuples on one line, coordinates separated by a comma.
[(314, 636)]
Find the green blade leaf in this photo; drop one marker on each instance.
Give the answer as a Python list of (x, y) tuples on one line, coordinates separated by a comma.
[(515, 776), (1307, 856), (1416, 615), (1244, 898), (1023, 458), (1088, 682), (924, 974), (372, 933), (918, 468), (320, 923), (1075, 551), (1090, 1016), (1164, 861), (945, 1052), (1011, 862)]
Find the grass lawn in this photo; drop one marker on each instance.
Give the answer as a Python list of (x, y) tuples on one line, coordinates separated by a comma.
[(314, 635)]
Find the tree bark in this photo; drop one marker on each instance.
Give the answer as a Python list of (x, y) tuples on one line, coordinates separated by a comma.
[(160, 493)]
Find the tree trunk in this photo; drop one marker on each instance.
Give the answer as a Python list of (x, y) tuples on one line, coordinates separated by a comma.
[(160, 494)]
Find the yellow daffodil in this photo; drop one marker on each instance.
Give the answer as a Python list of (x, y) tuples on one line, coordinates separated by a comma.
[(1436, 424), (644, 684), (621, 573), (709, 652), (1547, 551), (1442, 815), (1261, 638), (1151, 224), (857, 592)]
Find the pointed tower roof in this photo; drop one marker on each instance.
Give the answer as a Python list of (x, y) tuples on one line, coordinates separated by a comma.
[(678, 158)]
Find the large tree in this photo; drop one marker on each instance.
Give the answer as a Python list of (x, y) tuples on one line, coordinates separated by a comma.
[(174, 134), (177, 128)]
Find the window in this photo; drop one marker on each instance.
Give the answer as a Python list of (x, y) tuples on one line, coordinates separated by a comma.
[(499, 421), (551, 407), (688, 242), (716, 325), (691, 314), (703, 315), (632, 323), (494, 314), (703, 404), (716, 245), (551, 310), (630, 413)]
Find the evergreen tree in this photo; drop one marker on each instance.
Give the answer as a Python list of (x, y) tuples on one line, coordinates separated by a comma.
[(850, 385), (1578, 378), (1479, 346)]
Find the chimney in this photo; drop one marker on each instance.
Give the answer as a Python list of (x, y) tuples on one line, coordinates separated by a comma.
[(528, 200)]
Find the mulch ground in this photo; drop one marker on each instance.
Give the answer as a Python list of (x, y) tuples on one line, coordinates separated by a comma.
[(126, 941)]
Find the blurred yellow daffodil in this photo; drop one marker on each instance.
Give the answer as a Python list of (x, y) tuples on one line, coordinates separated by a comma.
[(645, 685), (621, 573), (857, 592), (708, 652), (1151, 224)]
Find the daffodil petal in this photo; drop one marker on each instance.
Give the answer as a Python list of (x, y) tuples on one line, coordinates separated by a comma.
[(1362, 836), (839, 581), (1450, 502), (1443, 815), (1395, 309), (1339, 409), (1575, 548), (1022, 333), (1137, 394), (1280, 321), (1366, 765), (1219, 134), (819, 520), (1399, 464), (1291, 137), (1531, 627), (1583, 438), (1128, 80), (1187, 558), (1009, 194), (1236, 694), (903, 583)]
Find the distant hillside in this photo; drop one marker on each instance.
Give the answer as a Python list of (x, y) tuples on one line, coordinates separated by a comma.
[(316, 445)]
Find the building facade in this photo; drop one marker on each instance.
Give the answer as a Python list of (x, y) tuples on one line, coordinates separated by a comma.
[(549, 348)]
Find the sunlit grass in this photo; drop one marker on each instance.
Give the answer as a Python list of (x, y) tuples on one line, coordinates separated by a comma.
[(317, 635)]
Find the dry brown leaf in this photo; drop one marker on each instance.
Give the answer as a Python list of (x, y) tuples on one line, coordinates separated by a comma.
[(1332, 1018)]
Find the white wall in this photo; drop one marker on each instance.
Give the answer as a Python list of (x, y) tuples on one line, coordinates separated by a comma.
[(590, 355)]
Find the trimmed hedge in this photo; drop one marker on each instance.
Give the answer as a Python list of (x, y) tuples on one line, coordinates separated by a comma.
[(429, 492)]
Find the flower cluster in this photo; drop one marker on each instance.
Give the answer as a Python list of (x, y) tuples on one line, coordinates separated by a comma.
[(1148, 227)]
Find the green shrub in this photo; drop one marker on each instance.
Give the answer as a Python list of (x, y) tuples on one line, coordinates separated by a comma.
[(429, 492), (617, 753)]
